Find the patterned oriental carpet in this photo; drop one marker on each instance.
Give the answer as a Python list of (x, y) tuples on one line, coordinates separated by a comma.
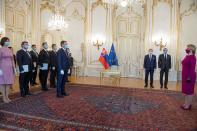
[(90, 108)]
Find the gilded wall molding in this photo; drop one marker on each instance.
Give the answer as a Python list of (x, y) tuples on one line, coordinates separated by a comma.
[(48, 6), (155, 2), (190, 11), (99, 3), (75, 15)]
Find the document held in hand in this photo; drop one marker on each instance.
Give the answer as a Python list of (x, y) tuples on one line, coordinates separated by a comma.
[(45, 66), (25, 68)]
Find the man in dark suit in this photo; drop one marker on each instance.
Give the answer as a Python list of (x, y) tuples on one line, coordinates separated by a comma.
[(53, 66), (43, 61), (25, 64), (149, 66), (62, 69), (164, 63), (34, 56)]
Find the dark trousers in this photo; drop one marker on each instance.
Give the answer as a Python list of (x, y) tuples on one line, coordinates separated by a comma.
[(147, 72), (33, 76), (61, 81), (43, 74), (53, 74), (24, 79), (166, 71)]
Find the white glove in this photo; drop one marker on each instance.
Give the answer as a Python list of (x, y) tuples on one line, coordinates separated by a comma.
[(68, 71), (62, 72), (53, 68), (34, 64), (1, 72)]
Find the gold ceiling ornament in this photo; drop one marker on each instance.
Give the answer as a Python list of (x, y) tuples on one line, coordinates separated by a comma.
[(125, 3)]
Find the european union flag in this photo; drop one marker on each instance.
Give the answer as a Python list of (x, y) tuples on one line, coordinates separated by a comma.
[(112, 59)]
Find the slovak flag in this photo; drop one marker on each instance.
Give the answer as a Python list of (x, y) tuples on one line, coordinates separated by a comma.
[(104, 58)]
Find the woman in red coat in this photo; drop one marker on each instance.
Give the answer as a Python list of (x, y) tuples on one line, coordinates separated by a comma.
[(188, 76)]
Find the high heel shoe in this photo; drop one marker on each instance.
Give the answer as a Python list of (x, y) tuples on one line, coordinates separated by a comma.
[(186, 108)]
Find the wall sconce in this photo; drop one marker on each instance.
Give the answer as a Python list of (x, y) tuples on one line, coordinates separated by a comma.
[(161, 44), (97, 44), (98, 40), (1, 32)]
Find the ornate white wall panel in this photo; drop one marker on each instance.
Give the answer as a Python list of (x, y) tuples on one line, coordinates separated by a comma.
[(75, 15)]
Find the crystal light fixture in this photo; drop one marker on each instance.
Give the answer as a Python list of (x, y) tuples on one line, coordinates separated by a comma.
[(58, 21)]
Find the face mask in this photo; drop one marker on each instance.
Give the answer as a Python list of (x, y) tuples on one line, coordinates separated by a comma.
[(45, 46), (54, 48), (7, 43), (34, 49), (65, 46), (150, 53), (165, 51), (187, 51), (26, 46)]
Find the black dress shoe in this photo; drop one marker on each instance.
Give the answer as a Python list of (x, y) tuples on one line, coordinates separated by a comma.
[(65, 94), (67, 81), (151, 86), (29, 94), (23, 95), (145, 86), (60, 96), (161, 87), (166, 87), (32, 84), (45, 89)]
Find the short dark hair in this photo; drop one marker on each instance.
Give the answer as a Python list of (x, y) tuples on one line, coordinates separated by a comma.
[(53, 45), (62, 42), (33, 45), (3, 40), (10, 47), (23, 43)]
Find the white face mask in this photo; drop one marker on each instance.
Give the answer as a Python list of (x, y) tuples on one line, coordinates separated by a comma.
[(65, 46), (7, 43), (45, 46), (26, 46), (54, 48), (34, 49)]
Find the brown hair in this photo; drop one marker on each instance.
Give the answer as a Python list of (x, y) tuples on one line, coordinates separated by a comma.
[(192, 48), (3, 40)]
